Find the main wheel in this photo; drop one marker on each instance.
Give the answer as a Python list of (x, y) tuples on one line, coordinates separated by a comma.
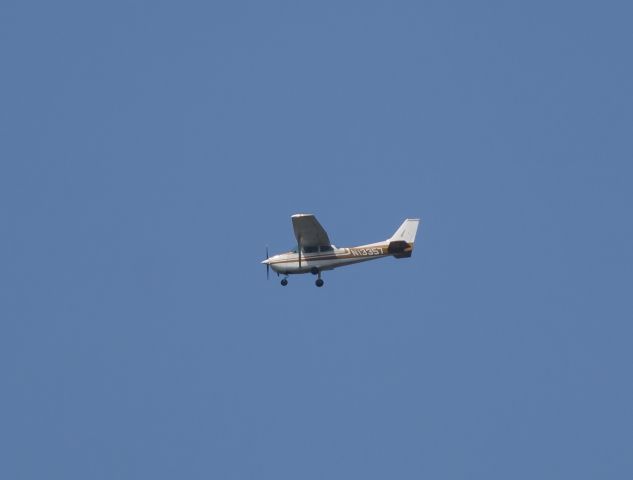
[(284, 282), (319, 282)]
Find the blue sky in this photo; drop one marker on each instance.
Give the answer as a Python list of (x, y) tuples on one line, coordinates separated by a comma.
[(151, 150)]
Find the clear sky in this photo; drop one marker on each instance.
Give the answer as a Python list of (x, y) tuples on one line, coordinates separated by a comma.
[(149, 151)]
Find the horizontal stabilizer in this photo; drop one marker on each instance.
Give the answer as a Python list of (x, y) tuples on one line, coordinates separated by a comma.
[(397, 246)]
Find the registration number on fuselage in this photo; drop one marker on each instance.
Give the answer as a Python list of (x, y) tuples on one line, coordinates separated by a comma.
[(366, 252)]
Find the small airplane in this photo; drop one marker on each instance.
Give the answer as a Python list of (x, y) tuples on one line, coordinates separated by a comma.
[(315, 253)]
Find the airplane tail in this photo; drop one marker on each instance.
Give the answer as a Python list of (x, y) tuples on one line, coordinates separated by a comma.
[(407, 230), (401, 242)]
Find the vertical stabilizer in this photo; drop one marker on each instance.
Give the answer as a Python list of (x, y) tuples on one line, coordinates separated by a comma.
[(407, 231)]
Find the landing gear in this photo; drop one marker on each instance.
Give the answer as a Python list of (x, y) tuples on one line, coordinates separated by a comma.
[(319, 282)]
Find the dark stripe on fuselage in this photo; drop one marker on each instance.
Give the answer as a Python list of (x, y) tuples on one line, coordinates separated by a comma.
[(341, 256)]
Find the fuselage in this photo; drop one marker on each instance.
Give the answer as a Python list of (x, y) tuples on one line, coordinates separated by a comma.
[(330, 257)]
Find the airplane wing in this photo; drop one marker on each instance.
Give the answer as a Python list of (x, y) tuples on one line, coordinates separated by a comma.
[(309, 231)]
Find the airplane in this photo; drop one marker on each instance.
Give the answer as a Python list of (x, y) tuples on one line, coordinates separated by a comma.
[(315, 253)]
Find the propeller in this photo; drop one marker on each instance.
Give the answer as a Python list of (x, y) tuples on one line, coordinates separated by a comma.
[(267, 265)]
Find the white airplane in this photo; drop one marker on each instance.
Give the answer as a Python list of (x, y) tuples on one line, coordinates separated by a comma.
[(315, 253)]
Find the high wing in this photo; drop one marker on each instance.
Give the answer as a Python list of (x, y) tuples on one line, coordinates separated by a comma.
[(309, 231)]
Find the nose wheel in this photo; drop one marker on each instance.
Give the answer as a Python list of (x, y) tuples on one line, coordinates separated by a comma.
[(284, 282)]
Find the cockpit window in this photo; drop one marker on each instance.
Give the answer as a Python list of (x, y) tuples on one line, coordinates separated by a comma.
[(326, 248), (310, 249)]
